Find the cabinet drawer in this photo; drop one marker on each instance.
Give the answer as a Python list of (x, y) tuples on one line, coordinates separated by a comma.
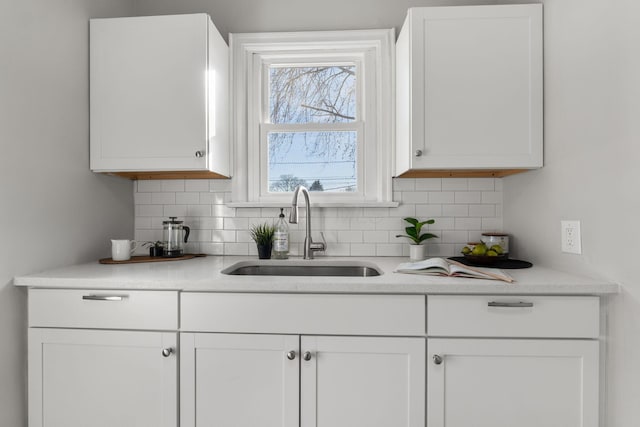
[(114, 309), (304, 313), (513, 316)]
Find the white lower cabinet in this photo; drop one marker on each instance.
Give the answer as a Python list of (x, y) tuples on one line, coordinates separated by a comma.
[(113, 358), (508, 382), (103, 358), (92, 378), (245, 380), (504, 361)]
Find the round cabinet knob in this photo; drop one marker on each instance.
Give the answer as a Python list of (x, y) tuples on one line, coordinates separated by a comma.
[(291, 355), (166, 352), (307, 355), (199, 153), (418, 153), (437, 359)]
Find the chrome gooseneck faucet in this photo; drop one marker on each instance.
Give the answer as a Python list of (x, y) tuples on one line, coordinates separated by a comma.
[(309, 245)]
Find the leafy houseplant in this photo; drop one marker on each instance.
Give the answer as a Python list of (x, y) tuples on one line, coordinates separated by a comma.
[(155, 248), (262, 234), (415, 234)]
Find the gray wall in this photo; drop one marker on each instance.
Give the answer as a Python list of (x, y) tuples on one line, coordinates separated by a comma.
[(53, 210), (592, 171)]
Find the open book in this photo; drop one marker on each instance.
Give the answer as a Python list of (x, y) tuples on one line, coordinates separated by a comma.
[(444, 267)]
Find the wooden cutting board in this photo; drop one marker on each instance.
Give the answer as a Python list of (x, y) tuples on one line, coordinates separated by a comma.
[(137, 259)]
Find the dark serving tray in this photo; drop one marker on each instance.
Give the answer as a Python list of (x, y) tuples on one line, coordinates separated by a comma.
[(505, 263)]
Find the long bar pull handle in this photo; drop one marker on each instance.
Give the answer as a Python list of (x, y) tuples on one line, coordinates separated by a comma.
[(104, 297), (518, 304)]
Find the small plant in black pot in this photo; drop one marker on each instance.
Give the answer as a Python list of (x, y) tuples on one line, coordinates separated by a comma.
[(155, 248), (262, 234)]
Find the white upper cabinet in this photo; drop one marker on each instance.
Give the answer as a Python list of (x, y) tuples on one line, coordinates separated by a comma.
[(159, 95), (469, 89)]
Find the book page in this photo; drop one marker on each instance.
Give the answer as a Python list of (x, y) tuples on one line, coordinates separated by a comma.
[(458, 269), (439, 264)]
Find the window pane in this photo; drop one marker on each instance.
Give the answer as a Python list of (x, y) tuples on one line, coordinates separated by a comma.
[(312, 94), (321, 161)]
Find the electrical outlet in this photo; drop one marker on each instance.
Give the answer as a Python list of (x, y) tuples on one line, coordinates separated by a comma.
[(571, 241)]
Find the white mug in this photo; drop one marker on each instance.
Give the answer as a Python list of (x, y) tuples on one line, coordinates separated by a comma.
[(121, 250)]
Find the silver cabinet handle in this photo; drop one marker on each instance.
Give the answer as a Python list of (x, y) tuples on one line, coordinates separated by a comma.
[(510, 304), (307, 356), (418, 153), (291, 355), (104, 297), (166, 352), (199, 153), (437, 359)]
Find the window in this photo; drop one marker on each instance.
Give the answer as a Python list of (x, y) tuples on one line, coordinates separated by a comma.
[(315, 109)]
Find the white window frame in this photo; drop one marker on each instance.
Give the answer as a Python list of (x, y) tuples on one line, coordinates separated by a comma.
[(373, 53)]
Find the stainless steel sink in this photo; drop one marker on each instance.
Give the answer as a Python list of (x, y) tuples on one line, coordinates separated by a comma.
[(303, 268)]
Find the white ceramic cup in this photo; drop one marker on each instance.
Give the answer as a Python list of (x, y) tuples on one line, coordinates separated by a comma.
[(121, 250)]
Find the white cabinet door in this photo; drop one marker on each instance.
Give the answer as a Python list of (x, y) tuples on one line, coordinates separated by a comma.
[(362, 382), (91, 378), (159, 94), (506, 383), (233, 380), (469, 88)]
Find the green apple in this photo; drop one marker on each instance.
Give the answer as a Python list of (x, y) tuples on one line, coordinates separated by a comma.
[(466, 250), (480, 249), (491, 252), (497, 249)]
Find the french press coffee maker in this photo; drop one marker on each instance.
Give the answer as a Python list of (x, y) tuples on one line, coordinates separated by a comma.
[(174, 236)]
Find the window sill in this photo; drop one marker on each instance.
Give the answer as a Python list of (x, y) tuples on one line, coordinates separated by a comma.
[(315, 205)]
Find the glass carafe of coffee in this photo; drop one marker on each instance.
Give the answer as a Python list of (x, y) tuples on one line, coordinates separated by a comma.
[(174, 237)]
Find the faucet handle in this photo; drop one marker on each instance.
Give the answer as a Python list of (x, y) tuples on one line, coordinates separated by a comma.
[(318, 246)]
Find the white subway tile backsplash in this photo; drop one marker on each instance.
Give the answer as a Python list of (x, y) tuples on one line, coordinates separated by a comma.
[(482, 184), (468, 223), (494, 197), (441, 197), (429, 184), (142, 198), (455, 184), (405, 184), (163, 198), (428, 211), (389, 249), (414, 197), (237, 248), (484, 211), (467, 197), (198, 210), (363, 249), (149, 210), (174, 210), (221, 236), (350, 237), (149, 186), (172, 185), (187, 198), (196, 185), (376, 236), (238, 223), (462, 209), (455, 210)]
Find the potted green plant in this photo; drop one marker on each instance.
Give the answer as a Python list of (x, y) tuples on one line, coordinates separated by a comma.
[(155, 248), (417, 251), (262, 234)]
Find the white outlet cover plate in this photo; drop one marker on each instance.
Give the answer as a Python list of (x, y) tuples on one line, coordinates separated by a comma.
[(571, 239)]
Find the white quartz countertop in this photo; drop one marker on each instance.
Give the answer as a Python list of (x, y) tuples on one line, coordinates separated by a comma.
[(204, 275)]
